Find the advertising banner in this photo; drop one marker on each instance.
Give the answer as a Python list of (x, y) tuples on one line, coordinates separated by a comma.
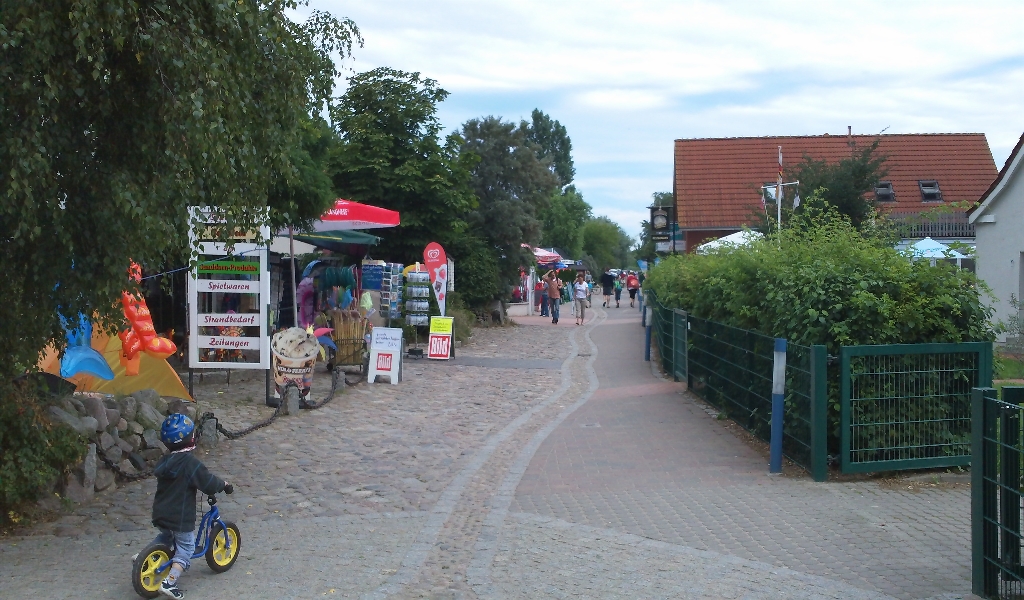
[(385, 354), (439, 344), (436, 261)]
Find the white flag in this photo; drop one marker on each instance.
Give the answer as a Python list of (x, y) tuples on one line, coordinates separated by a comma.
[(796, 200)]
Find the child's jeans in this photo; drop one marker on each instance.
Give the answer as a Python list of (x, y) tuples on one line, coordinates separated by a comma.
[(184, 543)]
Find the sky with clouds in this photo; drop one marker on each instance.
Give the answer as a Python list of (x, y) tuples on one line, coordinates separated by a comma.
[(628, 78)]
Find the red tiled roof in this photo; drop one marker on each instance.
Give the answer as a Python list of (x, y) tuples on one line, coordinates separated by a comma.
[(717, 179)]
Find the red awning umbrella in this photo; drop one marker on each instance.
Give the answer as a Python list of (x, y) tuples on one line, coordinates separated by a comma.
[(543, 256), (346, 214)]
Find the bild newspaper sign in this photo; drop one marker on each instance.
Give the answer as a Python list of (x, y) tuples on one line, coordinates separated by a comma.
[(439, 344), (228, 293), (385, 354)]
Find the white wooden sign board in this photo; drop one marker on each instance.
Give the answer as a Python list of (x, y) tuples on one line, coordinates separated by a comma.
[(385, 354), (259, 286)]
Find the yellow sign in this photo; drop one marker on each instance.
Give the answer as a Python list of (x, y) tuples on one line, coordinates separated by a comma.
[(417, 268), (441, 325)]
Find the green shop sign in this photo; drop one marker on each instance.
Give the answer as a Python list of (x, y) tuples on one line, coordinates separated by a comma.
[(230, 267)]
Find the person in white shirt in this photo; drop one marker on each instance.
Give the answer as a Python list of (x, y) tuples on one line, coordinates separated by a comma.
[(580, 290)]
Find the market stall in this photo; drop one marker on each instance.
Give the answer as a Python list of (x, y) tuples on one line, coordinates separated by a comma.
[(340, 294)]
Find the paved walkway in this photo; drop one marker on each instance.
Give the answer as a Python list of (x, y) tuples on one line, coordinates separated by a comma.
[(546, 462), (645, 458)]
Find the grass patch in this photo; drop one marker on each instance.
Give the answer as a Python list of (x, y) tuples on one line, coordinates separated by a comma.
[(1009, 367)]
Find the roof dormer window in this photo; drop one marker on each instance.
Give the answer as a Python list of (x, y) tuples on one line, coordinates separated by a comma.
[(884, 192), (930, 191)]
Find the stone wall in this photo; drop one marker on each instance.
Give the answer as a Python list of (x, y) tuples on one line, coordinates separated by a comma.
[(124, 430)]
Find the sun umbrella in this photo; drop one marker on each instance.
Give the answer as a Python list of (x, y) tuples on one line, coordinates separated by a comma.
[(337, 240), (544, 257), (929, 248), (346, 214)]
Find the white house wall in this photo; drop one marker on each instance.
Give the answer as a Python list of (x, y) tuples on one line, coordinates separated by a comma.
[(1000, 246)]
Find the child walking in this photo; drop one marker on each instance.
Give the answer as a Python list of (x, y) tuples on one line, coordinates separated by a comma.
[(178, 476)]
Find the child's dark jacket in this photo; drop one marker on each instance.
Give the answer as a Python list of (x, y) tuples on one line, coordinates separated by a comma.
[(178, 476)]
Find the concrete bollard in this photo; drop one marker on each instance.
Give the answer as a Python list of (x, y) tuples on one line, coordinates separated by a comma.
[(292, 400)]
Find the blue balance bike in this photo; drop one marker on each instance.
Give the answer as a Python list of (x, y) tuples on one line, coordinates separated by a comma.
[(220, 541)]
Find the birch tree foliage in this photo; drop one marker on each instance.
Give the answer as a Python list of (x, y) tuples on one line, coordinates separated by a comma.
[(118, 115)]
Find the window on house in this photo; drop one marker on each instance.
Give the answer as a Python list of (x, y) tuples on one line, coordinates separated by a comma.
[(884, 191), (930, 191)]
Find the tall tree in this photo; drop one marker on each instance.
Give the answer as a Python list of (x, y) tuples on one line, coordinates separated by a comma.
[(301, 195), (392, 155), (553, 143), (513, 185), (845, 184), (607, 243), (563, 221), (117, 116)]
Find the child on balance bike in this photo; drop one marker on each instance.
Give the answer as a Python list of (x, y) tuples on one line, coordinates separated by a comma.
[(179, 475)]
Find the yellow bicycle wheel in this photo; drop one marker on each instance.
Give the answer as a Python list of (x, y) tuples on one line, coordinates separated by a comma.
[(148, 569), (225, 543)]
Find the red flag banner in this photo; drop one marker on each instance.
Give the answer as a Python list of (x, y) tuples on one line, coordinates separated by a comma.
[(436, 261)]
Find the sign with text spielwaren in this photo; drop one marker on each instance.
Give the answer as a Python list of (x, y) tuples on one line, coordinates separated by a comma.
[(223, 285), (385, 354), (439, 343), (228, 296)]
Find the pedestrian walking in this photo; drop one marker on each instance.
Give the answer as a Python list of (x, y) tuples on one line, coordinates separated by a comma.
[(554, 289), (618, 290), (608, 286), (541, 291), (632, 285), (580, 290)]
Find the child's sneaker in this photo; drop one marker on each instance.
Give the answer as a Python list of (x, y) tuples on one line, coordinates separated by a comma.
[(171, 590)]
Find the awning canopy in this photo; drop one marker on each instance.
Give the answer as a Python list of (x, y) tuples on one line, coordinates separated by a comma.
[(347, 215), (544, 257), (735, 240), (338, 240), (929, 248)]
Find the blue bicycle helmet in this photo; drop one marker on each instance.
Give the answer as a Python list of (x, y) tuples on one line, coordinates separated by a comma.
[(176, 429)]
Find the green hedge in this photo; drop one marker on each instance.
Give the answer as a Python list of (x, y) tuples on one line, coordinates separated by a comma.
[(827, 285)]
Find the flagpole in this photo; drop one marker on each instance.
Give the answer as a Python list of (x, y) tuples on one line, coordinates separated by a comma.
[(778, 193)]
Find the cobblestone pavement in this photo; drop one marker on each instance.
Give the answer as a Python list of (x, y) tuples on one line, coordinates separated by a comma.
[(357, 479), (489, 479)]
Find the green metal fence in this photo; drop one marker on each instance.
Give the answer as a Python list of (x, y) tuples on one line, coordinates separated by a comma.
[(680, 345), (661, 326), (908, 406), (996, 476), (805, 426), (670, 332), (731, 369), (902, 406)]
